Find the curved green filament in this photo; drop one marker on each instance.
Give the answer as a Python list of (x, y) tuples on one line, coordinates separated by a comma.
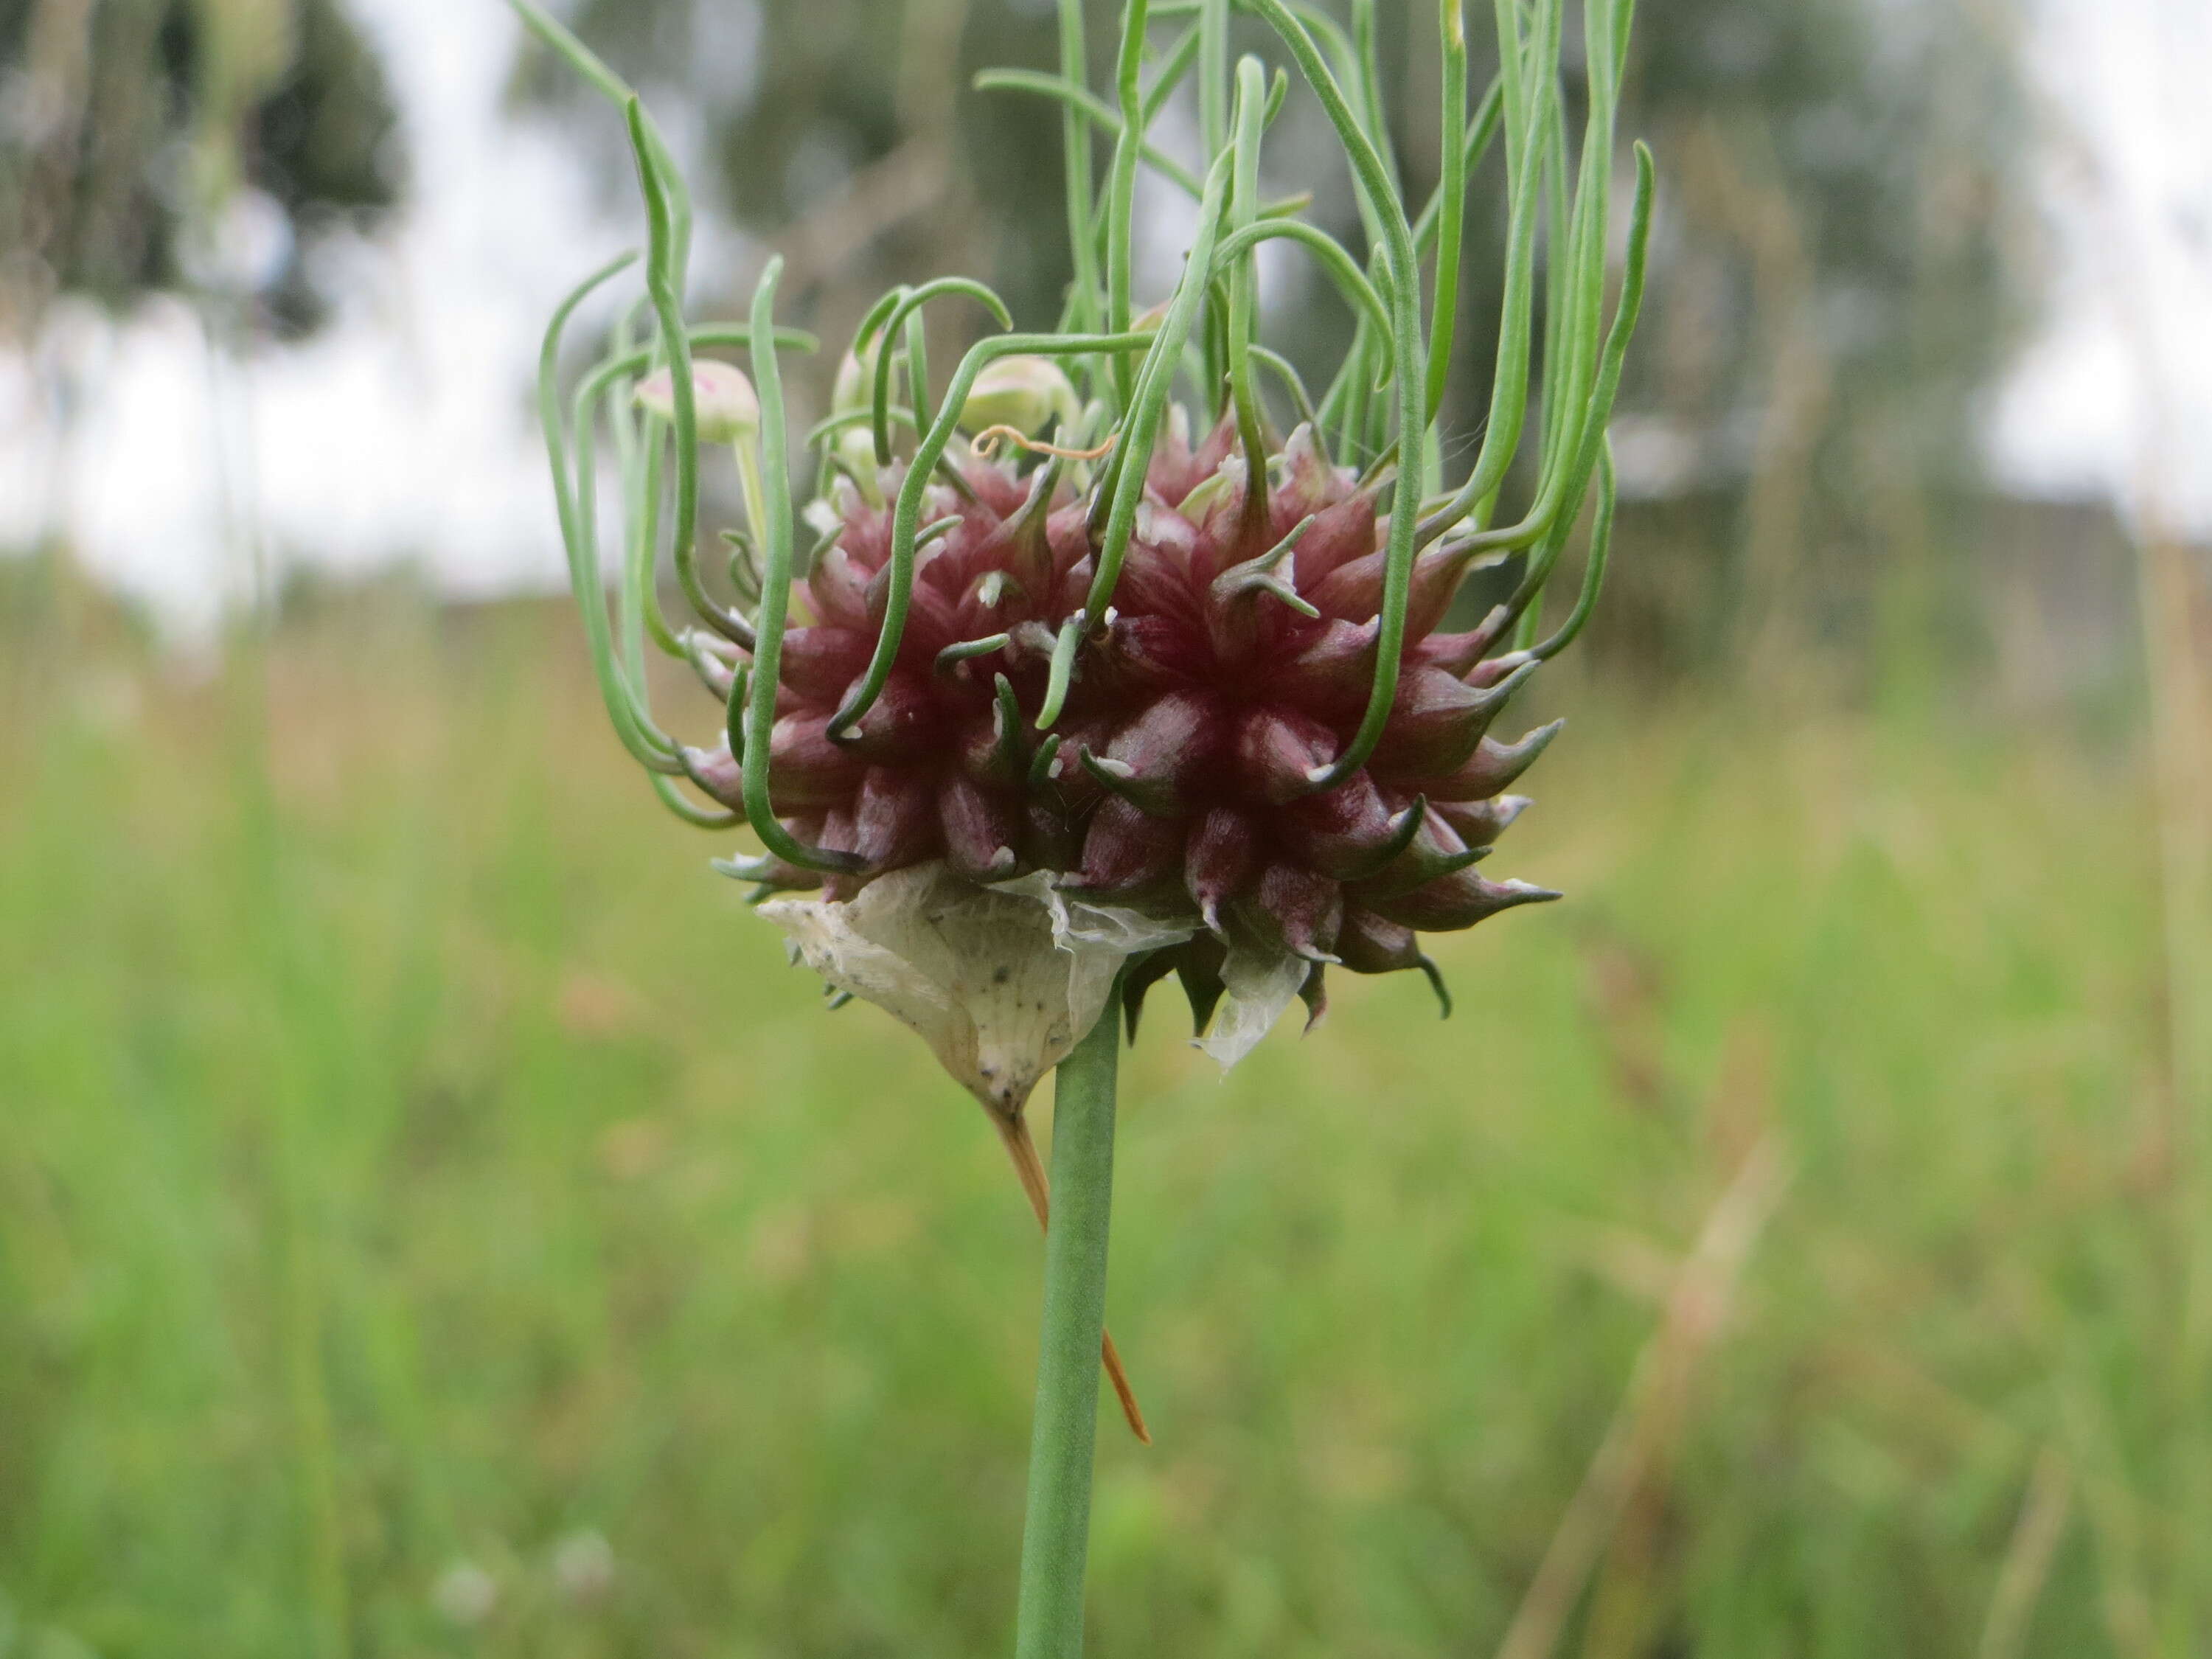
[(967, 650), (1407, 366), (638, 457), (1594, 185), (917, 364), (698, 817), (573, 51), (727, 622), (1558, 278), (721, 335), (1562, 491), (1334, 258), (1601, 546), (648, 747), (1451, 194), (638, 461), (1243, 277), (1094, 109), (1366, 83), (1479, 132), (1063, 672), (1141, 425), (1122, 189), (1325, 29), (1575, 475), (629, 624), (872, 320), (909, 306), (1213, 76), (586, 540), (775, 533), (1081, 313), (830, 426), (733, 711), (1176, 66), (581, 527), (648, 542), (667, 235), (1350, 74), (1508, 386), (1285, 371)]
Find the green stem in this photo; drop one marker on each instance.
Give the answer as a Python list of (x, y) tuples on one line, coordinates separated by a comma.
[(1075, 144), (1056, 1536)]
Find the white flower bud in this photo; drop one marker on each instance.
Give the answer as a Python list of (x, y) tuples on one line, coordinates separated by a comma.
[(1022, 392), (722, 400), (854, 391)]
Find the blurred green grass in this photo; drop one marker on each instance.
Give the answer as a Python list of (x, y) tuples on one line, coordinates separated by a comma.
[(424, 1160)]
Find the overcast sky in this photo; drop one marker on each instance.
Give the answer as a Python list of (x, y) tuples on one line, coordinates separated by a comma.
[(2116, 394), (405, 432)]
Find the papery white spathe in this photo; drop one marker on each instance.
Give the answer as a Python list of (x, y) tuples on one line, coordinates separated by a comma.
[(1003, 981)]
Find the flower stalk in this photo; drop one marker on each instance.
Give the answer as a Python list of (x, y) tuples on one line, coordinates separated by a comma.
[(1056, 1534)]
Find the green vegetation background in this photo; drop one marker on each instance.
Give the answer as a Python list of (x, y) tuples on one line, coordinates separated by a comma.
[(413, 1159)]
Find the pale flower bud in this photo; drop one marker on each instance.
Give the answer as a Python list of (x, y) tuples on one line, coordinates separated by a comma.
[(1022, 392), (853, 391), (1149, 322), (855, 387), (723, 402)]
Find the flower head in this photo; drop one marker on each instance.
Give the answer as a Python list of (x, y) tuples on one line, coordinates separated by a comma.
[(1176, 665), (1233, 667)]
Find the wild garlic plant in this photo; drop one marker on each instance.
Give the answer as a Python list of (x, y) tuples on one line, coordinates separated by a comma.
[(1119, 653)]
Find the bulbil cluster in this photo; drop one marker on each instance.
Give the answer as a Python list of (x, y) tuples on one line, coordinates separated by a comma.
[(1052, 623), (1232, 668)]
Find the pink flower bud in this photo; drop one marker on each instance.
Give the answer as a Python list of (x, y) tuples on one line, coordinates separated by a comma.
[(723, 404), (1025, 393)]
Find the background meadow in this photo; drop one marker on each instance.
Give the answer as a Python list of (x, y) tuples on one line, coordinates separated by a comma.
[(437, 1218)]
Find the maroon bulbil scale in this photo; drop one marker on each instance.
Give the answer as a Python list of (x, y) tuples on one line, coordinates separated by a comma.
[(1179, 774)]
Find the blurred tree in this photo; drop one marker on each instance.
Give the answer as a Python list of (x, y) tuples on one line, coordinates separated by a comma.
[(149, 144), (1848, 262), (843, 132)]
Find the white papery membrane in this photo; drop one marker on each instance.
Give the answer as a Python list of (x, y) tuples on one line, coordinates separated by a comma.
[(1003, 981)]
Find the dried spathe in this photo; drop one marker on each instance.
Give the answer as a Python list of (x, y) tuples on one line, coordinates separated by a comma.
[(1002, 980)]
